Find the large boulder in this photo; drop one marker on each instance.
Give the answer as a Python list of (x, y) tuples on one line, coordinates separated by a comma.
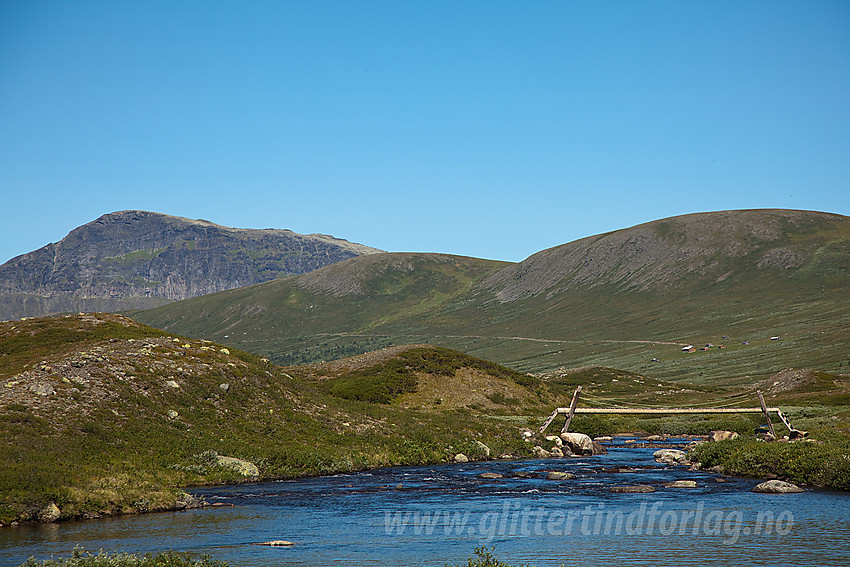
[(558, 475), (777, 487), (670, 456), (722, 435), (540, 453), (578, 443), (461, 458), (681, 484)]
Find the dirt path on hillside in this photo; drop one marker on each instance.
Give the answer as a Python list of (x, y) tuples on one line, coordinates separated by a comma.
[(530, 339)]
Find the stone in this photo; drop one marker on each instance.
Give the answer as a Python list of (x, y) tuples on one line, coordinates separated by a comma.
[(634, 489), (540, 453), (556, 451), (172, 414), (681, 484), (523, 474), (186, 501), (603, 439), (654, 438), (224, 387), (484, 448), (225, 351), (578, 443), (777, 487), (491, 475), (42, 389), (172, 384), (49, 513), (722, 435), (599, 449), (558, 475), (555, 439), (245, 468), (670, 456), (461, 458)]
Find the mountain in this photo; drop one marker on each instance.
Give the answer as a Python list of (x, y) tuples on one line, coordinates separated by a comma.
[(733, 279), (138, 259)]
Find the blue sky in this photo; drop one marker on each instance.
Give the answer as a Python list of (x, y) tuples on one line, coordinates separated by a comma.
[(482, 128)]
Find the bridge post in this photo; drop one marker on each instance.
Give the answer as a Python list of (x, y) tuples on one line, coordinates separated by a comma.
[(766, 414), (572, 410)]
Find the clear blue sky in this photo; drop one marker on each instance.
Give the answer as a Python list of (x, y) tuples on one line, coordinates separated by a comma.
[(482, 128)]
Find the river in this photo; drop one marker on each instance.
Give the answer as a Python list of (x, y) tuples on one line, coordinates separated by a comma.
[(433, 515)]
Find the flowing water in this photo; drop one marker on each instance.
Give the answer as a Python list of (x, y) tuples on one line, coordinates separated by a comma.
[(433, 515)]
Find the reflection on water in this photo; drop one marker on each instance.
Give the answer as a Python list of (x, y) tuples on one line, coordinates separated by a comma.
[(439, 514)]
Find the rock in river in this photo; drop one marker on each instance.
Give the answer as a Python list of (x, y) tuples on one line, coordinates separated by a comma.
[(635, 489), (777, 487)]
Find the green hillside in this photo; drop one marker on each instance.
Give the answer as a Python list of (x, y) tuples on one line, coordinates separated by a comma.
[(735, 278), (101, 415)]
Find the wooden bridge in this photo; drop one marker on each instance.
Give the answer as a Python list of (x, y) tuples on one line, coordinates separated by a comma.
[(572, 410)]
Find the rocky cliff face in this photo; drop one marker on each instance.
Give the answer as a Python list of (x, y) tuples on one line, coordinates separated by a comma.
[(137, 259)]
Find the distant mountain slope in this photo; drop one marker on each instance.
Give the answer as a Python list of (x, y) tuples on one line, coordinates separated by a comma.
[(133, 259), (617, 300), (705, 249)]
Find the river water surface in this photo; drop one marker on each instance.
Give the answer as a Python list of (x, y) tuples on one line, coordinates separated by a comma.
[(433, 515)]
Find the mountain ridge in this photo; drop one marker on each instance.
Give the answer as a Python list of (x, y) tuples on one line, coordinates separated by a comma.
[(135, 259)]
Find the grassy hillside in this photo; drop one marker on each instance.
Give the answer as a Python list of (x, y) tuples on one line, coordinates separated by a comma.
[(621, 299), (102, 415)]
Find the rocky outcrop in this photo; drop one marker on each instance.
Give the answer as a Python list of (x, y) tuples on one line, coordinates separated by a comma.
[(138, 259)]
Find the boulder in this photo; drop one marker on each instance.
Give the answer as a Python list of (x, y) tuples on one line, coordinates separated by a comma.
[(461, 458), (484, 448), (578, 443), (540, 452), (523, 474), (599, 449), (654, 438), (603, 439), (49, 513), (245, 468), (186, 501), (777, 487), (224, 387), (634, 489), (670, 456), (555, 439), (681, 484), (491, 475), (42, 389), (556, 452), (722, 435), (558, 475)]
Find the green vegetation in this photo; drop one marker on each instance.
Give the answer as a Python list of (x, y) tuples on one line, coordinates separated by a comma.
[(82, 558), (106, 441), (384, 382), (819, 464), (486, 558)]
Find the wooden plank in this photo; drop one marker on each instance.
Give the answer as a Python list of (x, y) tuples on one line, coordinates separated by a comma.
[(548, 421), (566, 426), (785, 420), (766, 414), (662, 411)]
